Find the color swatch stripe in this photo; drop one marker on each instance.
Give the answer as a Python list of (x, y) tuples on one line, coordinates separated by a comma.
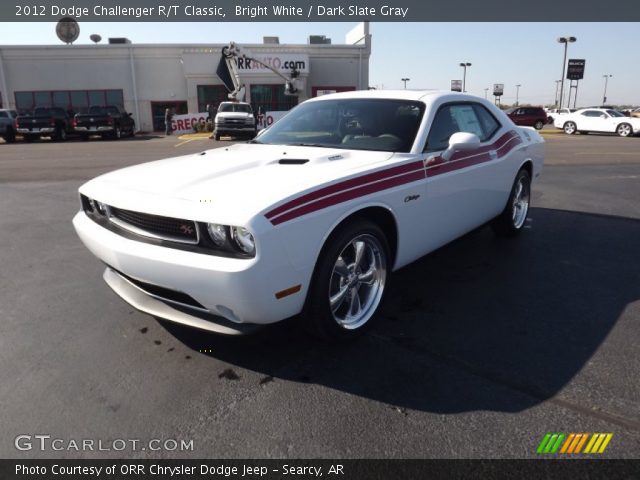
[(573, 443)]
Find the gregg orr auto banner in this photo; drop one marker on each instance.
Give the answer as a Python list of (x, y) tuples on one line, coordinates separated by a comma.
[(282, 62), (181, 124)]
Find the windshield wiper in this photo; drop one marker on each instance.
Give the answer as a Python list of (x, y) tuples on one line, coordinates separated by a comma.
[(323, 145), (254, 141)]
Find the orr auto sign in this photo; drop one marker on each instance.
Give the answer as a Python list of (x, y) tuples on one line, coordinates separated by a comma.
[(281, 62)]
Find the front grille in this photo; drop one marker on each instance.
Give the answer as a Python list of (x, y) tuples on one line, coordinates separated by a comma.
[(162, 227)]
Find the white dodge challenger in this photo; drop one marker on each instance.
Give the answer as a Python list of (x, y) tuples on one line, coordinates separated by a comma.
[(311, 216)]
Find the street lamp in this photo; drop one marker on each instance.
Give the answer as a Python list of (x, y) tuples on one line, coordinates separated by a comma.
[(556, 97), (518, 94), (566, 41), (606, 80), (405, 80), (464, 65)]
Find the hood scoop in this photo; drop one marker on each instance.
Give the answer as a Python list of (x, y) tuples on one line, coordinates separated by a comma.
[(293, 161)]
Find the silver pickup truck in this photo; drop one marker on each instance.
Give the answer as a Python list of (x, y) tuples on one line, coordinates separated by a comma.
[(8, 125)]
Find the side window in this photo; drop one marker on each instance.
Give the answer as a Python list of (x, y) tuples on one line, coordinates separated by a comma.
[(488, 122), (464, 117)]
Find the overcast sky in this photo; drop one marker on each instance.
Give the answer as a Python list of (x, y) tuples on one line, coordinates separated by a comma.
[(427, 53)]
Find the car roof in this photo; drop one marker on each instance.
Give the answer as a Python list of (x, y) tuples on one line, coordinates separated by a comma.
[(419, 95)]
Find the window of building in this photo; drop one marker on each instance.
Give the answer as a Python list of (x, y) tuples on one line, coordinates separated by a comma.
[(158, 110), (211, 95), (77, 101), (271, 98)]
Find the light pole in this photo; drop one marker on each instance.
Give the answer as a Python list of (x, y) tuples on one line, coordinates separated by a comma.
[(556, 97), (464, 65), (606, 80), (566, 41), (518, 94), (405, 80), (485, 93)]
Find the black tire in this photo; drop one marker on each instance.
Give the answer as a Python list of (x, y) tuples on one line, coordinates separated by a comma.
[(60, 135), (570, 128), (509, 223), (318, 317), (10, 136), (117, 133), (133, 130), (216, 137), (538, 125), (624, 130)]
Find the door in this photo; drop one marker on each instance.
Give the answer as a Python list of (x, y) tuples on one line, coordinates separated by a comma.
[(158, 109), (472, 187), (592, 121)]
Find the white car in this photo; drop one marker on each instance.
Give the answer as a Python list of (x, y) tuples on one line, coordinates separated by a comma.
[(598, 120), (314, 215)]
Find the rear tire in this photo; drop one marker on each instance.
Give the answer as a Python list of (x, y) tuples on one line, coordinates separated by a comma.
[(348, 283), (117, 133), (10, 136), (514, 216), (216, 137), (570, 128), (538, 125)]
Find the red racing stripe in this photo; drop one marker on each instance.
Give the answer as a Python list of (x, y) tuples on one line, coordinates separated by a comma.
[(389, 178), (338, 187), (349, 195)]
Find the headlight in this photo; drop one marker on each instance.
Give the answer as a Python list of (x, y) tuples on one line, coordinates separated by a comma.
[(244, 240), (100, 207), (218, 234)]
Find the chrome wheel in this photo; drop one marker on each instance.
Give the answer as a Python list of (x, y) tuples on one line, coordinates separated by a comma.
[(520, 203), (357, 282), (624, 130), (569, 128)]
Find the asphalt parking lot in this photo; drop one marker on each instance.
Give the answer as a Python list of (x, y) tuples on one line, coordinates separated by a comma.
[(482, 347)]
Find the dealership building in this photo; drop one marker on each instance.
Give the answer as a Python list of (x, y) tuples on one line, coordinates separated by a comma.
[(146, 79)]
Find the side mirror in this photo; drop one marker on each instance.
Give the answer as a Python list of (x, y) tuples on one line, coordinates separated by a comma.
[(460, 142)]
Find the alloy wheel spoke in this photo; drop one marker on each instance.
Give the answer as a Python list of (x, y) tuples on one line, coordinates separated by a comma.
[(338, 299), (369, 276), (341, 268), (355, 306), (359, 249)]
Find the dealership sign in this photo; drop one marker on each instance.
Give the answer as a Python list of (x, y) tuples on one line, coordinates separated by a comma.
[(498, 89), (181, 124), (281, 62), (456, 85), (575, 69)]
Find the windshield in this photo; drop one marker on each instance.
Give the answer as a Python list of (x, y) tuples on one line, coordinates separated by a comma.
[(235, 107), (358, 124), (614, 113)]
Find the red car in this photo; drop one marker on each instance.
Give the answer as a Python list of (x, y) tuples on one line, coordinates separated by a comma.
[(528, 116)]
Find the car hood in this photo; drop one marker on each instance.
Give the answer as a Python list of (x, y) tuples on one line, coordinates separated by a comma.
[(228, 185)]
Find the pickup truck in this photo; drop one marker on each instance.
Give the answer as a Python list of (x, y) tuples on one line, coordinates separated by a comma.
[(52, 122), (8, 125), (110, 121), (234, 119)]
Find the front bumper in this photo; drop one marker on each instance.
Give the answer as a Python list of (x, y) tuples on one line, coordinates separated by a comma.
[(230, 128), (240, 291)]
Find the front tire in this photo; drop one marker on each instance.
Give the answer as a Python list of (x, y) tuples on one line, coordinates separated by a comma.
[(348, 282), (514, 216), (624, 130), (570, 128)]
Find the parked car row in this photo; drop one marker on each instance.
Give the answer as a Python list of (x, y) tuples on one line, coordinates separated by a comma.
[(110, 121)]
